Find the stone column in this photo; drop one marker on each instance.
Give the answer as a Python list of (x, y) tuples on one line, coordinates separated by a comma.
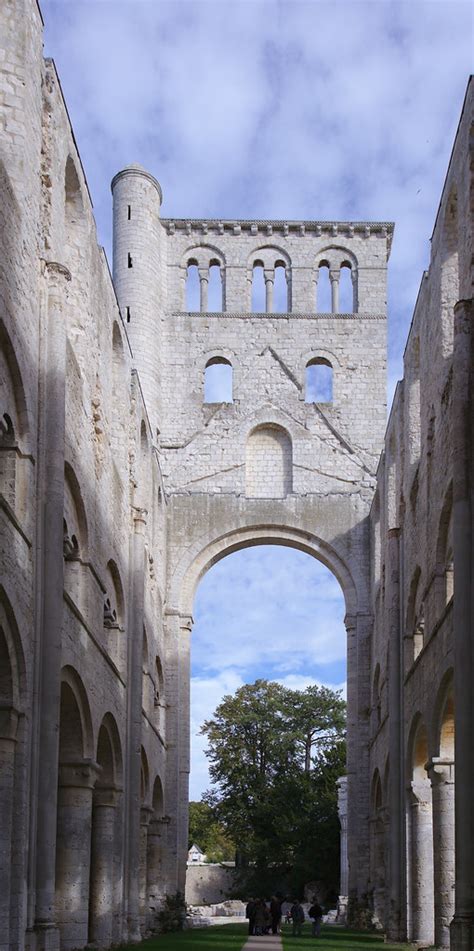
[(441, 774), (8, 734), (203, 288), (351, 820), (361, 803), (134, 715), (177, 639), (355, 298), (344, 866), (462, 928), (334, 278), (101, 902), (269, 275), (50, 600), (422, 864), (184, 651), (145, 815), (396, 860), (154, 885), (73, 852)]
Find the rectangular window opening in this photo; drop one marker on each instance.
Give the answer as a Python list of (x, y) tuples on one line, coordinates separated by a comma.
[(129, 260), (127, 313), (129, 212)]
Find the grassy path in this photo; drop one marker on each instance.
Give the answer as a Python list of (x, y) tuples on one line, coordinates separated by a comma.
[(233, 938), (338, 939)]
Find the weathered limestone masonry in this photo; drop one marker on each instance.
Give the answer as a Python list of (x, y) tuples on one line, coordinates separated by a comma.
[(83, 537), (124, 476), (422, 648)]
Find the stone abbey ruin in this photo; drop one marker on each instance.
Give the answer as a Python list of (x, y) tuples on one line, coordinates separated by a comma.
[(120, 485)]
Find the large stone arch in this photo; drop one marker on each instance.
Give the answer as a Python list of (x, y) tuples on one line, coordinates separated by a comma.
[(206, 552)]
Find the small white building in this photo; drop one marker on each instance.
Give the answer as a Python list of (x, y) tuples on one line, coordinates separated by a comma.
[(195, 855)]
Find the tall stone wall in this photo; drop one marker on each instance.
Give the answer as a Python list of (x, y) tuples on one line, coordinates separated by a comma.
[(121, 483), (418, 685)]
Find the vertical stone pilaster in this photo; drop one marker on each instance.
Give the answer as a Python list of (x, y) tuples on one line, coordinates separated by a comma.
[(145, 815), (101, 900), (134, 724), (462, 928), (441, 774), (363, 634), (154, 885), (397, 893), (422, 896), (344, 865), (50, 597), (177, 785), (73, 852), (352, 754), (8, 733)]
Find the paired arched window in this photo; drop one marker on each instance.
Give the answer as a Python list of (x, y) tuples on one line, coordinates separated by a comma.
[(204, 284), (319, 381), (218, 381), (336, 283), (270, 277)]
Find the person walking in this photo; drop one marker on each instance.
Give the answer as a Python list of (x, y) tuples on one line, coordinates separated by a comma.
[(316, 913), (275, 911), (250, 914), (297, 917), (261, 916)]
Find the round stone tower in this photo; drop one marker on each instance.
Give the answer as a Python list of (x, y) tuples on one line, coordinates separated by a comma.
[(137, 275)]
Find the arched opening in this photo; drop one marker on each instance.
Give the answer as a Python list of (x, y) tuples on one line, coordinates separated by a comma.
[(12, 772), (319, 381), (323, 289), (258, 305), (256, 593), (378, 851), (105, 835), (76, 779), (415, 621), (280, 289), (193, 292), (218, 381), (145, 814), (420, 825), (114, 614), (15, 464), (346, 290), (156, 844), (159, 698), (442, 775), (268, 463), (215, 289), (444, 555)]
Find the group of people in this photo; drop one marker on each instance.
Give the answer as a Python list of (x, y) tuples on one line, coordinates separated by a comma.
[(266, 917)]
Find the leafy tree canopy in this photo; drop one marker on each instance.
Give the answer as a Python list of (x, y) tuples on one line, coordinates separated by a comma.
[(208, 833), (275, 755)]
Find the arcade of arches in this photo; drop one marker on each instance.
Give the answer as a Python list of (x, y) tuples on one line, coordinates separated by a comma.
[(117, 500)]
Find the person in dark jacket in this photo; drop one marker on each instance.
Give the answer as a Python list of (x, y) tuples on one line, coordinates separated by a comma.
[(297, 917), (275, 911), (250, 914), (316, 913)]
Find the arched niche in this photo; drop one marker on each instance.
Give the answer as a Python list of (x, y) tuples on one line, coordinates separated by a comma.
[(268, 463)]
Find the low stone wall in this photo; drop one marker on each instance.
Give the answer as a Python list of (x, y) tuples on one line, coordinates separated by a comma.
[(208, 884)]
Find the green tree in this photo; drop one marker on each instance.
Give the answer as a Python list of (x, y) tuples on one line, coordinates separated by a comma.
[(208, 833), (275, 755)]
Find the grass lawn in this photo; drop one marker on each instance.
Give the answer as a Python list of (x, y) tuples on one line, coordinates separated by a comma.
[(233, 938), (225, 937), (338, 939)]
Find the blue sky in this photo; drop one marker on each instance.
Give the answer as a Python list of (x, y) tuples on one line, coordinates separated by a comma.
[(271, 108)]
